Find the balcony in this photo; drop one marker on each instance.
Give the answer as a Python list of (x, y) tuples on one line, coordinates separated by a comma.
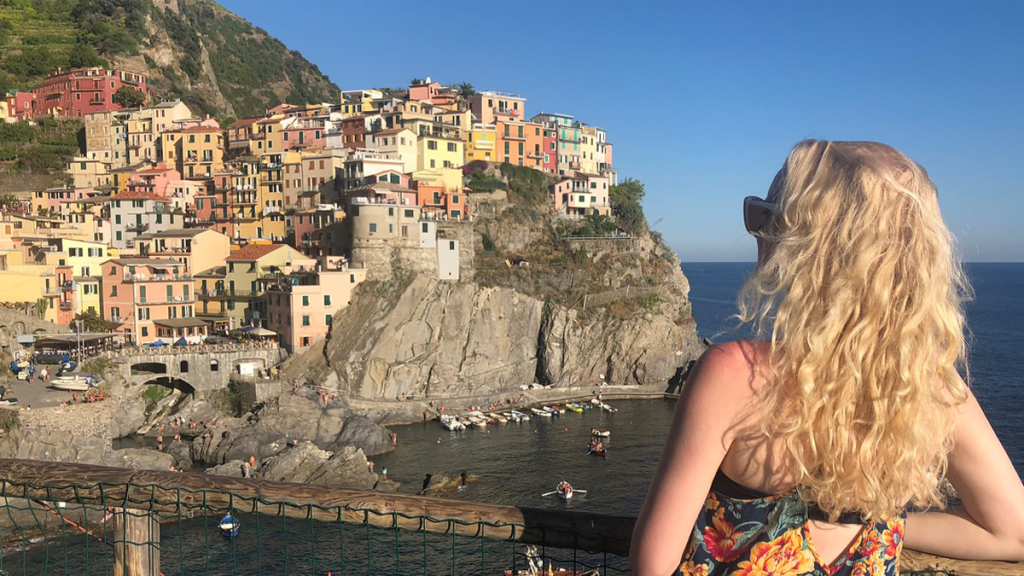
[(139, 278), (228, 293), (246, 199), (147, 301), (65, 305), (138, 227), (271, 210)]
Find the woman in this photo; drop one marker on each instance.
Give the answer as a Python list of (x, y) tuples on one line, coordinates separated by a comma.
[(801, 452)]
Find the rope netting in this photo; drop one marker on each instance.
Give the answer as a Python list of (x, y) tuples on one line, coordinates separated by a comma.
[(81, 530), (55, 534)]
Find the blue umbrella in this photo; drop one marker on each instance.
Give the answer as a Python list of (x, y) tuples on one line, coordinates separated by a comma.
[(156, 343), (181, 342)]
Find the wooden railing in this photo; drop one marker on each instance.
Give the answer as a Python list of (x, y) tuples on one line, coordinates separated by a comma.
[(144, 491)]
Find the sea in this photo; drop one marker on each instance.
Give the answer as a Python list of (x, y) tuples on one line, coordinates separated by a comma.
[(518, 463)]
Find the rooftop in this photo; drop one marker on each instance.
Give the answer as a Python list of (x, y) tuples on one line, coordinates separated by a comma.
[(254, 251)]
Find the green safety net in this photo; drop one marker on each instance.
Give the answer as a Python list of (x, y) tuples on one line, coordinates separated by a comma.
[(59, 533)]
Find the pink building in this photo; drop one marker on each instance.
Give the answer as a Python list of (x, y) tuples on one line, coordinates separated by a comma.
[(154, 180), (305, 132), (433, 92), (582, 195), (302, 301), (80, 92), (150, 299), (20, 104)]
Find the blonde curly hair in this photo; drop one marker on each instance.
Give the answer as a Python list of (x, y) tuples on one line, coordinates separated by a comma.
[(860, 292)]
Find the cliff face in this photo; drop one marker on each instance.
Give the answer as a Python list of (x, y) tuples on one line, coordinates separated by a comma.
[(573, 312)]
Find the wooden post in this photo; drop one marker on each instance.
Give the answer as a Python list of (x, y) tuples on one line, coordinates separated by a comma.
[(136, 543)]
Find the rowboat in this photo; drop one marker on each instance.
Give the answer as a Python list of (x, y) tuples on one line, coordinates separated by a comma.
[(498, 418), (602, 434), (452, 423), (71, 383), (550, 410), (519, 415), (574, 407), (540, 412), (229, 526), (558, 409), (602, 453)]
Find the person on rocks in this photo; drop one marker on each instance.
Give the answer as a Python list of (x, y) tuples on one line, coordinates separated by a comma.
[(246, 469)]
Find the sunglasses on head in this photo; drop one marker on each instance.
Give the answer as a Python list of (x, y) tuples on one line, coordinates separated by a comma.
[(756, 213)]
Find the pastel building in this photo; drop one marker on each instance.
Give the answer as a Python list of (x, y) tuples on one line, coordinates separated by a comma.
[(396, 143), (582, 195), (81, 91), (480, 142), (135, 213), (150, 299), (435, 152), (198, 249), (301, 299), (490, 106), (240, 289)]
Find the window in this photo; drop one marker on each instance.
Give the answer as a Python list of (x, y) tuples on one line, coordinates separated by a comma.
[(115, 312), (431, 144), (520, 148), (117, 218), (432, 164), (305, 300), (593, 199), (426, 227), (451, 244), (452, 147), (214, 366), (183, 367), (113, 291), (455, 198), (305, 320), (145, 331), (327, 319), (373, 228), (113, 270), (593, 184)]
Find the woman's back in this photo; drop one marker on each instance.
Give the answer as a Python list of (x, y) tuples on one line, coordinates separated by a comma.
[(753, 516)]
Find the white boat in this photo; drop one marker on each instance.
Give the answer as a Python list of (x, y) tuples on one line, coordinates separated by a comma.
[(608, 408), (541, 413), (519, 415), (478, 421), (452, 423), (602, 434), (71, 383)]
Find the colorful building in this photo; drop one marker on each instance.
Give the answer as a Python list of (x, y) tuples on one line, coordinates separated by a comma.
[(490, 106), (78, 92), (434, 152), (150, 299), (480, 142), (301, 299), (582, 195)]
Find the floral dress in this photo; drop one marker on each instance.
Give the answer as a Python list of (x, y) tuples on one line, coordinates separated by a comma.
[(741, 532)]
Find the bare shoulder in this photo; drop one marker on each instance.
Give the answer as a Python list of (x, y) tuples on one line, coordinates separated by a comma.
[(730, 369)]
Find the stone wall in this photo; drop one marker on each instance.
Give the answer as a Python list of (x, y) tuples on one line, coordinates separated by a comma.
[(197, 368)]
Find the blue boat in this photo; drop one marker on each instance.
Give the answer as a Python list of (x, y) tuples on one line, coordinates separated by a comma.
[(229, 526)]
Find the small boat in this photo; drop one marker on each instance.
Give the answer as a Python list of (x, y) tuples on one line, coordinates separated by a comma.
[(602, 453), (601, 433), (478, 422), (519, 415), (558, 409), (564, 490), (71, 383), (608, 408), (540, 412), (550, 410), (228, 526), (574, 407), (497, 418), (452, 423)]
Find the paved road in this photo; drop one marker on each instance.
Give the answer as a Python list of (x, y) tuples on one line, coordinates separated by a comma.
[(37, 394)]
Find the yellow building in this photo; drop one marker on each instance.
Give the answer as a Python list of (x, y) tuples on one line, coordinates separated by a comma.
[(270, 200), (480, 139), (356, 102), (88, 172), (268, 138), (240, 288), (202, 152), (435, 152)]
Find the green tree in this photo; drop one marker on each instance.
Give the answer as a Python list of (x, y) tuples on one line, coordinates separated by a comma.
[(84, 56), (90, 321), (626, 200), (129, 97)]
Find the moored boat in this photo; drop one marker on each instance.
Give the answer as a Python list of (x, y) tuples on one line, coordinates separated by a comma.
[(519, 415), (71, 383), (452, 423), (540, 412), (229, 526), (498, 418), (608, 408), (574, 407)]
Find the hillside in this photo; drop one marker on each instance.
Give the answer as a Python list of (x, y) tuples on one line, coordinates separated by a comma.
[(195, 50)]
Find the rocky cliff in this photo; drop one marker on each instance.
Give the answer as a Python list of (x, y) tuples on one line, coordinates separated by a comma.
[(540, 307)]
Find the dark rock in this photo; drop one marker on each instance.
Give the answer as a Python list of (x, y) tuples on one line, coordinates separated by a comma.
[(444, 484), (232, 468)]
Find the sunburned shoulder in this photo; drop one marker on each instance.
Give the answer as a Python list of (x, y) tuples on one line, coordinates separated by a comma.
[(737, 365)]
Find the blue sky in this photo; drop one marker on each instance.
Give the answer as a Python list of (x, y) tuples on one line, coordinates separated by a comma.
[(704, 99)]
